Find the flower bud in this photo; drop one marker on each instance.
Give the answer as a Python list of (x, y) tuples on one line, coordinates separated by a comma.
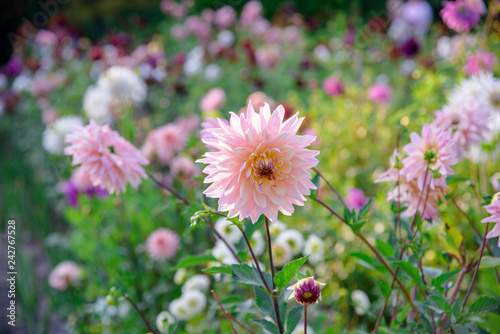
[(306, 291)]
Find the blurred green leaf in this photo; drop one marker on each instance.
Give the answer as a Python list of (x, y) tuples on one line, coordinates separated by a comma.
[(267, 325), (441, 279), (293, 318), (483, 304), (193, 260), (364, 210), (218, 270), (288, 272)]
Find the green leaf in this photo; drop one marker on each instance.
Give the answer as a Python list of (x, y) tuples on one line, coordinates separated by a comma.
[(288, 272), (316, 180), (411, 270), (483, 304), (384, 248), (364, 210), (456, 178), (193, 260), (441, 279), (356, 227), (365, 260), (489, 262), (264, 301), (243, 273), (438, 304), (218, 270), (384, 288), (268, 326), (293, 318), (347, 216)]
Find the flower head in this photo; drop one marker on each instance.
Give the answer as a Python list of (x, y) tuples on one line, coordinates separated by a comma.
[(306, 291), (356, 198), (434, 151), (64, 274), (214, 99), (165, 141), (481, 61), (459, 15), (123, 84), (333, 86), (293, 238), (282, 253), (260, 166), (494, 210), (53, 136), (109, 160), (380, 93), (197, 282), (227, 230), (162, 244), (315, 248), (163, 321), (361, 302)]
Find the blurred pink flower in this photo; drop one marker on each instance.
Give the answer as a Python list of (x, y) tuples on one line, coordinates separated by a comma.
[(162, 244), (178, 32), (333, 86), (109, 160), (268, 55), (494, 210), (459, 15), (214, 99), (411, 196), (224, 17), (481, 61), (391, 175), (467, 123), (380, 93), (356, 198), (259, 99), (250, 12), (185, 168), (46, 37), (188, 123), (434, 151), (208, 15), (260, 166), (164, 142), (64, 274)]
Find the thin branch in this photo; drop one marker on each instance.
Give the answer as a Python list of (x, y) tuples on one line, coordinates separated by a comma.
[(148, 325), (331, 187), (224, 311), (220, 237), (271, 264), (477, 267), (169, 189)]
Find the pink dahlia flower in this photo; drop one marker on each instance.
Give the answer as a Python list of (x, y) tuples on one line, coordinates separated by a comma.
[(109, 160), (434, 150), (165, 141), (260, 166), (494, 210), (185, 168), (410, 195), (467, 123), (208, 124), (333, 86), (64, 274), (224, 17), (214, 99), (380, 93), (391, 175), (459, 15), (250, 12), (356, 198), (481, 61), (162, 244)]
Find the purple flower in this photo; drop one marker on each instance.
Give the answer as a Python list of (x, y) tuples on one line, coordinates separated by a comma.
[(306, 291), (410, 47), (356, 198), (13, 67), (459, 15)]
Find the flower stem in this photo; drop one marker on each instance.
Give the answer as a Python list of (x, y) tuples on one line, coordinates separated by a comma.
[(220, 237), (305, 318), (255, 259), (331, 187), (223, 311), (478, 264), (148, 325), (271, 264), (167, 188)]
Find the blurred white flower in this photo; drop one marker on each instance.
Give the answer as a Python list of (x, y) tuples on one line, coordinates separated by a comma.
[(276, 228), (257, 242), (197, 282), (96, 104), (225, 38), (282, 253), (195, 301), (3, 82), (163, 321), (53, 138), (180, 276), (293, 238), (194, 61), (300, 329), (315, 247), (360, 301), (322, 53), (123, 84), (227, 230), (213, 72), (223, 254), (22, 83), (180, 310)]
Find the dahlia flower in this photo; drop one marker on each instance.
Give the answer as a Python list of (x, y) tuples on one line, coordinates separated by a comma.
[(164, 142), (97, 104), (282, 253), (293, 238), (162, 244), (214, 99), (361, 302), (185, 168), (481, 61), (459, 15), (434, 151), (123, 84), (494, 210), (163, 321), (261, 164), (197, 282), (108, 159), (306, 291), (356, 198), (315, 248), (380, 93), (64, 274), (467, 123)]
